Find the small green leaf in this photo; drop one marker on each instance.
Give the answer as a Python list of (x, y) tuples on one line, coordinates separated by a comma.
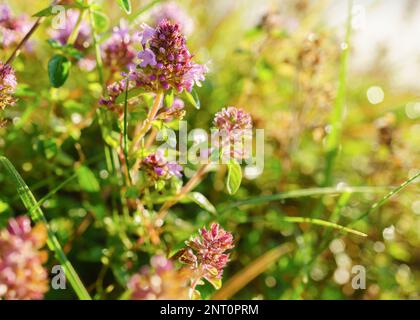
[(234, 177), (87, 179), (58, 70), (215, 282), (126, 5), (101, 21), (169, 99), (202, 201), (193, 98)]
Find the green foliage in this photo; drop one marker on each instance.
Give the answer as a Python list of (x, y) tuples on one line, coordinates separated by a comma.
[(58, 70)]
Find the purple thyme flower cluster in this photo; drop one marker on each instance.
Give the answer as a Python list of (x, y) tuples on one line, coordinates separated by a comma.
[(172, 12), (231, 119), (83, 40), (159, 168), (118, 51), (12, 29), (165, 60), (22, 275), (7, 85), (159, 281), (175, 111), (234, 128), (206, 253)]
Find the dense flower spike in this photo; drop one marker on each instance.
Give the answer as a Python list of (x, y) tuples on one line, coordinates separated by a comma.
[(159, 168), (118, 51), (165, 60), (22, 275), (231, 119), (12, 29), (7, 85), (61, 35), (206, 253), (172, 12), (234, 128), (160, 281)]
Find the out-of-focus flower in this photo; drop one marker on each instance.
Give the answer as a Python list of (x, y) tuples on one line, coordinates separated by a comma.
[(206, 253), (159, 168), (118, 51), (22, 275), (165, 60), (172, 12), (12, 29), (7, 85), (159, 281), (231, 119), (234, 128), (114, 90), (175, 111), (87, 63), (83, 39)]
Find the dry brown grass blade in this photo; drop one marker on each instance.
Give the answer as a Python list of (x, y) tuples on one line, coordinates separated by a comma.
[(250, 272)]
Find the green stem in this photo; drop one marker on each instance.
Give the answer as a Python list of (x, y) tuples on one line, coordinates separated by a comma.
[(37, 215), (323, 223), (310, 192), (125, 131), (381, 202), (147, 124), (334, 137)]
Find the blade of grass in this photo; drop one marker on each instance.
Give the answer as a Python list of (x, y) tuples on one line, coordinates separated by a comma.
[(51, 193), (336, 121), (298, 194), (381, 202), (324, 223), (37, 215), (251, 271)]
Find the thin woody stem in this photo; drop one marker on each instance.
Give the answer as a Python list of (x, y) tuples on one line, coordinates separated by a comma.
[(147, 123), (16, 52), (22, 42), (190, 185)]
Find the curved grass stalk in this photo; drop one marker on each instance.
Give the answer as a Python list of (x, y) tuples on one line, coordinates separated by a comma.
[(51, 193), (393, 192), (324, 223), (310, 192), (37, 215)]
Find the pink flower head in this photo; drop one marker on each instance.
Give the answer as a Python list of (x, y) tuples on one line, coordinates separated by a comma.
[(231, 119), (234, 130), (159, 168), (8, 85), (118, 51), (159, 281), (22, 275), (12, 29), (165, 60), (206, 253)]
